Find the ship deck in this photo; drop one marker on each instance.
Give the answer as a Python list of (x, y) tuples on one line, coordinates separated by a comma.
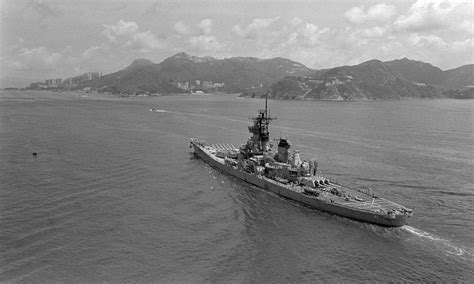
[(378, 203), (368, 203)]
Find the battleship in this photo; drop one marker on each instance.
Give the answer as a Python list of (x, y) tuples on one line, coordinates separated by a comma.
[(284, 173)]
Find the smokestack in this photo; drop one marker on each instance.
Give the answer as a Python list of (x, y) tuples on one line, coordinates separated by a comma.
[(283, 147)]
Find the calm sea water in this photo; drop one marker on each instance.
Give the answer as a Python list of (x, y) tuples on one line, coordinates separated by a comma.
[(116, 195)]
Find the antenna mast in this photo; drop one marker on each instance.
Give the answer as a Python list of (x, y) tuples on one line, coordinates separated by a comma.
[(266, 102)]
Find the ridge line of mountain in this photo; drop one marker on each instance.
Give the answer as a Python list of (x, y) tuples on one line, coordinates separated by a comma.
[(284, 78)]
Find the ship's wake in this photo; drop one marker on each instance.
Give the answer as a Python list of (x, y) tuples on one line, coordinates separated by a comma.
[(158, 110), (421, 233), (203, 115), (438, 242)]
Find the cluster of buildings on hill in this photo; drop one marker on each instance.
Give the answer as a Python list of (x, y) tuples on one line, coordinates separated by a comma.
[(331, 80), (337, 80), (66, 83), (198, 85)]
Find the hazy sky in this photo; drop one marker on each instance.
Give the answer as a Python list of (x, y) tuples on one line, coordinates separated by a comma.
[(43, 39)]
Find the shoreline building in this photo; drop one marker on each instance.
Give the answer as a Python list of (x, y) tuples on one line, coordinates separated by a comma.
[(77, 80)]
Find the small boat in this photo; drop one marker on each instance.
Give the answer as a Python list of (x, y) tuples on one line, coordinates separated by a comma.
[(35, 153)]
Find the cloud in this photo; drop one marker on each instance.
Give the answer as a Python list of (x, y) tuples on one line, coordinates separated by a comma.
[(41, 59), (120, 30), (206, 26), (429, 47), (144, 41), (431, 15), (298, 33), (37, 58), (93, 51), (374, 32), (127, 34), (201, 40), (296, 21), (379, 13), (293, 38), (426, 40), (40, 9), (467, 25), (181, 28), (463, 46), (205, 43), (256, 27), (312, 32)]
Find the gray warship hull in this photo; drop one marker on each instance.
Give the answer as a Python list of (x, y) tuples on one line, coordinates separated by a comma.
[(364, 211)]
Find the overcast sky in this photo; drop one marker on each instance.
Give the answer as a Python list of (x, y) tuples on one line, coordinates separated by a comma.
[(43, 39)]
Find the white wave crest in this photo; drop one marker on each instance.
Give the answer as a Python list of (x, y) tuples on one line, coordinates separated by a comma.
[(451, 249), (158, 110), (421, 233)]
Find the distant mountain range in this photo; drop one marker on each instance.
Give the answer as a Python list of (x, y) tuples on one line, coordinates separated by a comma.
[(287, 79), (185, 73), (375, 79)]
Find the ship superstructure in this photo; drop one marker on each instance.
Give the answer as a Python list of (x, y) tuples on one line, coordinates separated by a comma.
[(286, 174)]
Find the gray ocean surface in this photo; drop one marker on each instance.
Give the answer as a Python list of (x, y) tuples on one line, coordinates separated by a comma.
[(115, 193)]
